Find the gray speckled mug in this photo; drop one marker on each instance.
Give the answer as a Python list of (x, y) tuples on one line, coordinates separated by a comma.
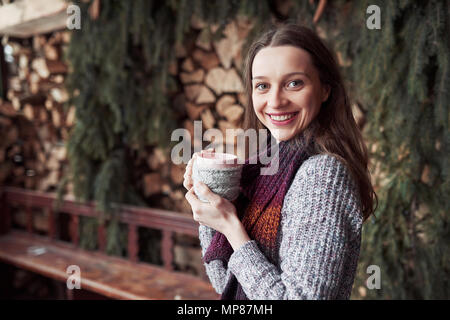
[(221, 172)]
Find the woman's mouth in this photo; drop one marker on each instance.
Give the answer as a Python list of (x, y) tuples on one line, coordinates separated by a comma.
[(283, 119)]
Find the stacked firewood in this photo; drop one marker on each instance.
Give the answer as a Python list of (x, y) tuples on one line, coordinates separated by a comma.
[(210, 71), (212, 92), (33, 118)]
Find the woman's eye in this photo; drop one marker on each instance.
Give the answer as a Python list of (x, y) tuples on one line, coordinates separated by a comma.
[(259, 85), (299, 82)]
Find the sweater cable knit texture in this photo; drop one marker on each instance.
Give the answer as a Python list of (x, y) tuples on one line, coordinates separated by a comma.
[(318, 240)]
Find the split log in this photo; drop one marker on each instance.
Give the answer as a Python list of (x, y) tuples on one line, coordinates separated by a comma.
[(70, 118), (66, 35), (242, 97), (187, 65), (156, 159), (229, 46), (43, 115), (28, 111), (14, 84), (221, 80), (234, 114), (224, 102), (51, 180), (194, 111), (199, 94), (47, 67), (204, 40), (207, 60), (193, 77), (40, 66), (16, 103), (60, 95), (177, 173), (152, 184), (205, 96), (208, 119), (56, 118), (51, 52)]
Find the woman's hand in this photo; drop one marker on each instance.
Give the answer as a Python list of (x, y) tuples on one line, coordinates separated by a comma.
[(219, 214), (188, 182)]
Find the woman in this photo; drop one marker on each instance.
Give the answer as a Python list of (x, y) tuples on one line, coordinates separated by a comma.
[(295, 234)]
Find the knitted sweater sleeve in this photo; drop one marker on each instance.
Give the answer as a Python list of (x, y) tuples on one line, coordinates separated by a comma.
[(217, 273), (319, 239)]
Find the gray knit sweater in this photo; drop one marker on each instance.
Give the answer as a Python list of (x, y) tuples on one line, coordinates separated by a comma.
[(318, 240)]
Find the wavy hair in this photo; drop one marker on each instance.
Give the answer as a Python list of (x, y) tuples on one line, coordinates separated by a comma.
[(334, 130)]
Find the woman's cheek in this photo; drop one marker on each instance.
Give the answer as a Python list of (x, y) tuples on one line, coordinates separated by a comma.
[(257, 107)]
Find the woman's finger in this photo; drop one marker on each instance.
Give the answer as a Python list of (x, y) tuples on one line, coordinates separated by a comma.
[(206, 193), (187, 183), (193, 200)]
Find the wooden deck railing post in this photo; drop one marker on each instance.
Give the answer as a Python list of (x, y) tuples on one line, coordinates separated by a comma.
[(101, 237), (29, 214), (5, 215), (51, 224), (132, 242), (167, 249), (74, 224)]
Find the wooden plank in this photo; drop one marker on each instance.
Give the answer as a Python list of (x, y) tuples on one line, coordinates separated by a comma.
[(110, 276), (25, 18)]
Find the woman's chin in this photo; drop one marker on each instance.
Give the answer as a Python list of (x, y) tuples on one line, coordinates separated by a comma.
[(282, 137)]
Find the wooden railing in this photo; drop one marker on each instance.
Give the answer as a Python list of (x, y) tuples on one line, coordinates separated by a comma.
[(167, 221)]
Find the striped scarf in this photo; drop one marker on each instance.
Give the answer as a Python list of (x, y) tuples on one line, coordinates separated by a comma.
[(259, 206)]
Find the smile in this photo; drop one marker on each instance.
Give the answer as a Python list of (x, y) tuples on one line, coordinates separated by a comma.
[(283, 119)]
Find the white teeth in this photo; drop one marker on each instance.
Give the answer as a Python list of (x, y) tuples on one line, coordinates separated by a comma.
[(282, 118)]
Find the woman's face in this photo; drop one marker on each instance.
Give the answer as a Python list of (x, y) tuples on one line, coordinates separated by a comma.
[(286, 90)]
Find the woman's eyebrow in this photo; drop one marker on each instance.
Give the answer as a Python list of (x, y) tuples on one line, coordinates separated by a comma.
[(285, 76)]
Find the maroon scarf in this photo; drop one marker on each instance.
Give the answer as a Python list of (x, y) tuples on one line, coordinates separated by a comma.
[(259, 206)]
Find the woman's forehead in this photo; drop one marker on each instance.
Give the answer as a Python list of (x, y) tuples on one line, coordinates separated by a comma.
[(272, 61)]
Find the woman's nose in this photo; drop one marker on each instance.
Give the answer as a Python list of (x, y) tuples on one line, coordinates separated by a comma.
[(276, 98)]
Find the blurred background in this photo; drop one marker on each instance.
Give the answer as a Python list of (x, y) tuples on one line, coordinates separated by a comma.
[(91, 91)]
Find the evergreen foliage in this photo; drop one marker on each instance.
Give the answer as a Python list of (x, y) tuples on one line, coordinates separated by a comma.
[(402, 77), (399, 74)]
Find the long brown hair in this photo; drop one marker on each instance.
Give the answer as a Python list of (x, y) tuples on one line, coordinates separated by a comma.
[(334, 128)]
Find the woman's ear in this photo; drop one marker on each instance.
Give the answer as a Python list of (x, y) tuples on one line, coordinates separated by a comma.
[(325, 92)]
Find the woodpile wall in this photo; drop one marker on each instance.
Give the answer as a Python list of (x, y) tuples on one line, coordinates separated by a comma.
[(33, 123)]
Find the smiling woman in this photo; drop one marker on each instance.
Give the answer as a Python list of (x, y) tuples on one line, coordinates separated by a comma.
[(290, 100), (294, 234)]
